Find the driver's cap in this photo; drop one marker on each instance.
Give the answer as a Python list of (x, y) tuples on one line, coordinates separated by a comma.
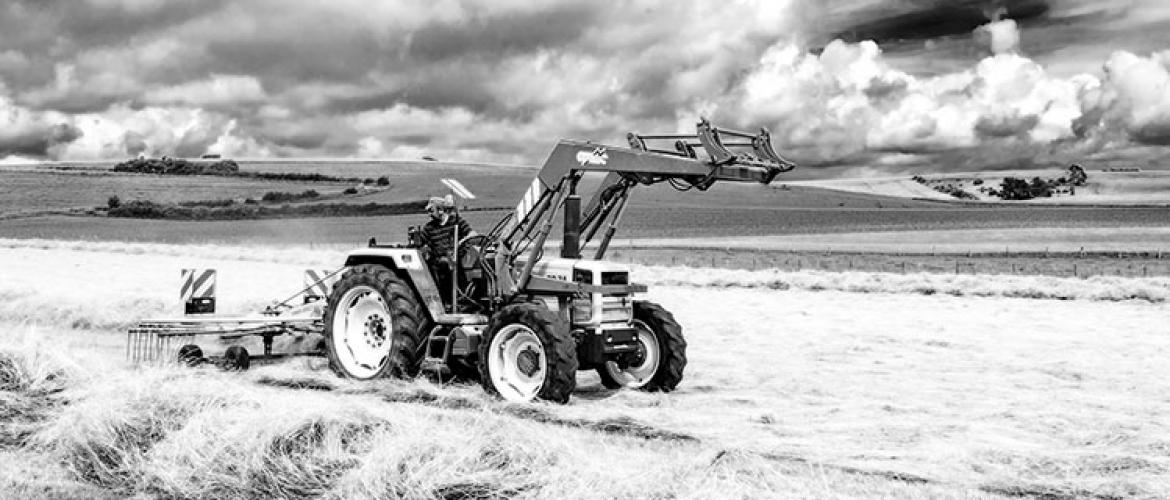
[(441, 202)]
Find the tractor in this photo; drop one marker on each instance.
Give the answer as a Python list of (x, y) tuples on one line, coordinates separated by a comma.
[(522, 322)]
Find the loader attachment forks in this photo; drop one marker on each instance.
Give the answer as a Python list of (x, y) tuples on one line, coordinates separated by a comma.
[(756, 151), (696, 161)]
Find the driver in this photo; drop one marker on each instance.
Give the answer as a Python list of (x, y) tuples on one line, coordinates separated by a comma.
[(439, 235)]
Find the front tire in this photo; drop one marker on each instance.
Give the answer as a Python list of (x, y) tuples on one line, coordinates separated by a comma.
[(661, 358), (373, 325), (528, 353)]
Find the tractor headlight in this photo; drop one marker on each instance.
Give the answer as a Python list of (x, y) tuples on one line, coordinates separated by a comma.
[(583, 304), (583, 308)]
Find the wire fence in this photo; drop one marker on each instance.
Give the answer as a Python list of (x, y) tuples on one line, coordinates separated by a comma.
[(1076, 264)]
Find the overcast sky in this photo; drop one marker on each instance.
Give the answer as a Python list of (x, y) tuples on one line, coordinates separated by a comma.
[(865, 86)]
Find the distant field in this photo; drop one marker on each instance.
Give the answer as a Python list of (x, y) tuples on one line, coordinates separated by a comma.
[(34, 191), (641, 222), (725, 211)]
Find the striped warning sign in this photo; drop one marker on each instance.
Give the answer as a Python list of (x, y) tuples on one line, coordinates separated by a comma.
[(318, 283), (197, 284), (197, 291)]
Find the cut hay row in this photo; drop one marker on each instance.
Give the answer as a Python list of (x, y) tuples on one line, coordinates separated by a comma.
[(31, 380), (200, 434)]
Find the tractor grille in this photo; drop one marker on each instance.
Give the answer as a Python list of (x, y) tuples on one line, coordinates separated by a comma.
[(615, 308)]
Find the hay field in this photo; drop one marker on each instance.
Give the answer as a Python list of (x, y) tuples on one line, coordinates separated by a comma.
[(800, 384)]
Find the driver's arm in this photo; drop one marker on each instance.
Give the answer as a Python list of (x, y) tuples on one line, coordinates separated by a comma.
[(465, 230)]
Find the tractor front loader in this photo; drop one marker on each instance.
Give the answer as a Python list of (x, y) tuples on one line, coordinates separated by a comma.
[(523, 322)]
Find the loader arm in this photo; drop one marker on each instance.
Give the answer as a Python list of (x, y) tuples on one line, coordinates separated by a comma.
[(696, 161)]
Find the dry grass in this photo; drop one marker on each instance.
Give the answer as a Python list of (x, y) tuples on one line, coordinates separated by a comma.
[(171, 434), (31, 380)]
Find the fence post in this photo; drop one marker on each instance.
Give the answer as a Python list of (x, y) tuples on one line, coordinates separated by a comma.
[(1075, 273), (956, 266)]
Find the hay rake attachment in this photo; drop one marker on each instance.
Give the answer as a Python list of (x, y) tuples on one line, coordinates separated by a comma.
[(163, 341), (182, 339)]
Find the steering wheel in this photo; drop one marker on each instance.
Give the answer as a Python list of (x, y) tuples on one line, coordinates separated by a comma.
[(471, 250)]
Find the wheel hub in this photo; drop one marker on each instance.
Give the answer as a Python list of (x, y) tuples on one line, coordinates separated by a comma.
[(375, 331), (635, 358), (528, 361)]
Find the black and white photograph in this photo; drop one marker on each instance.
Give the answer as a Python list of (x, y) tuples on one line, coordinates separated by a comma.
[(632, 249)]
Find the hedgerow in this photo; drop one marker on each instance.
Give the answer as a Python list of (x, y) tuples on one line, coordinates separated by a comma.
[(144, 209), (226, 168)]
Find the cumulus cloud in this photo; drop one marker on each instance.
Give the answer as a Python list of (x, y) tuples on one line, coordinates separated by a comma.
[(156, 131), (848, 100), (1001, 36), (1133, 99), (30, 134)]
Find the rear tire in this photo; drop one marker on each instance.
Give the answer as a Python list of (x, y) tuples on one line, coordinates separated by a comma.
[(373, 325), (669, 355), (190, 355), (528, 353), (236, 359)]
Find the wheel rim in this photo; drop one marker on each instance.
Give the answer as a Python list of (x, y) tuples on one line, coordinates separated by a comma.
[(642, 373), (362, 332), (516, 363)]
